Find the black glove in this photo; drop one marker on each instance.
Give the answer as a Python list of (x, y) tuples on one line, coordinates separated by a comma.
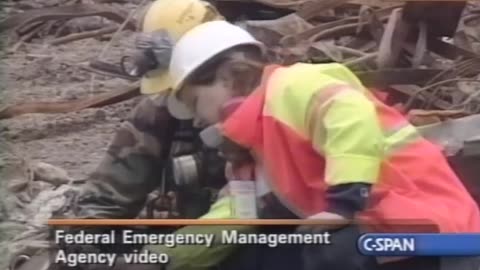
[(212, 174)]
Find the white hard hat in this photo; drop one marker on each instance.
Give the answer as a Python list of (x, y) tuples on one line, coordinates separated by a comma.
[(201, 44)]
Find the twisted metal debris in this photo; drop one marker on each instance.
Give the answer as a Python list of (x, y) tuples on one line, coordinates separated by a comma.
[(371, 40)]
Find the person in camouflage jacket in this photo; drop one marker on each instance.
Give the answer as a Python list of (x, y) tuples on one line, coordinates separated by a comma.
[(138, 161)]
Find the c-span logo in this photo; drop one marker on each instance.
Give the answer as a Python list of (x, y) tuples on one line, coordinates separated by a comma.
[(420, 244), (387, 245)]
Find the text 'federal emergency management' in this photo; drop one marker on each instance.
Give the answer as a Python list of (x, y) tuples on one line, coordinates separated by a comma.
[(169, 240)]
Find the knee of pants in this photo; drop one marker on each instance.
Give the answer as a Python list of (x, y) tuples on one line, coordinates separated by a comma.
[(342, 253), (315, 258), (460, 263), (323, 259)]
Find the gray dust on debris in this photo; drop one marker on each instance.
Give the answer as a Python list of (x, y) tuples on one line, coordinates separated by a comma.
[(75, 142)]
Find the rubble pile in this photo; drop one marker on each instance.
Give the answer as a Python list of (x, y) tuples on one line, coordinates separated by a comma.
[(39, 191), (412, 51), (423, 54)]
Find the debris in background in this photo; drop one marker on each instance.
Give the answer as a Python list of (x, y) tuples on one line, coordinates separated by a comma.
[(453, 134), (46, 190), (100, 100), (54, 21), (422, 117), (48, 173), (370, 39)]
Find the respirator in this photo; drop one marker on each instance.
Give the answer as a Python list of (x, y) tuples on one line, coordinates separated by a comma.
[(153, 51), (205, 168), (213, 137)]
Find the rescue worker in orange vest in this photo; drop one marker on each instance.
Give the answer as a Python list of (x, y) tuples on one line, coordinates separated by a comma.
[(328, 148)]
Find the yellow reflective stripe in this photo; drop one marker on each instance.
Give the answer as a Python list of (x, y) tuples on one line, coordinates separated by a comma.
[(287, 97), (317, 109), (307, 98), (395, 140), (290, 91), (350, 137), (348, 169)]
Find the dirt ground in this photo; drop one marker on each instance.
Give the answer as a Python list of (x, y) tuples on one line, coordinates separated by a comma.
[(75, 141)]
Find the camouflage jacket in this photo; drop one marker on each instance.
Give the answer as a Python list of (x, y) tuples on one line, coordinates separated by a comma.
[(135, 162)]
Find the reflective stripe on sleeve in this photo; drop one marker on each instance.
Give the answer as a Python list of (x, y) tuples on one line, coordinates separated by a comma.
[(317, 109), (397, 138), (344, 127)]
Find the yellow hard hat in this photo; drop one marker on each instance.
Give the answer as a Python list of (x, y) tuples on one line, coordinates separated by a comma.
[(176, 17)]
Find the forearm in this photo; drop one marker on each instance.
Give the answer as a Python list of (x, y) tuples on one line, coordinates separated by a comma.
[(131, 168), (118, 189), (349, 136)]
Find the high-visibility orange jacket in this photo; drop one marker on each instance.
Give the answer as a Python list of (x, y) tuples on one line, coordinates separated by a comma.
[(315, 126)]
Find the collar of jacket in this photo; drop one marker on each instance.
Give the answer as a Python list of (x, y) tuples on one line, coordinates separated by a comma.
[(249, 112)]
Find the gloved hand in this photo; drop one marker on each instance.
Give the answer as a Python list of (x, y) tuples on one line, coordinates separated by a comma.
[(331, 221)]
